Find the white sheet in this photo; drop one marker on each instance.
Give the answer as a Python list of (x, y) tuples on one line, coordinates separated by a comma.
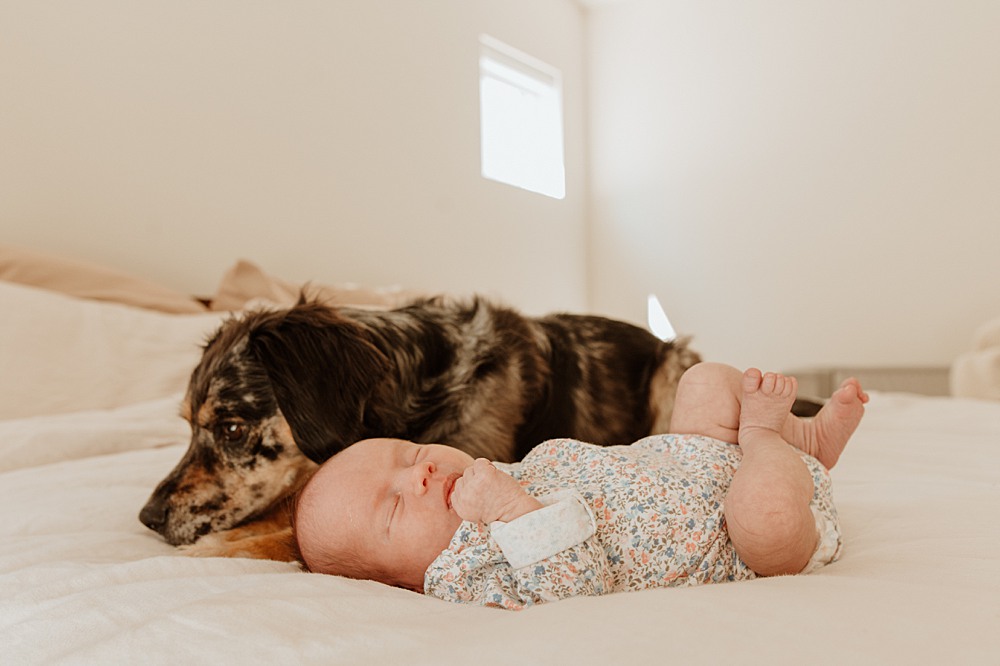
[(85, 440), (82, 581)]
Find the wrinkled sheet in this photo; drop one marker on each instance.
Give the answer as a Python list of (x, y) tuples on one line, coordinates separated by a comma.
[(82, 581)]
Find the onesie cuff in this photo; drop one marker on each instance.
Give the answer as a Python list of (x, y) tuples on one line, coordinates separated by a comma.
[(564, 521), (828, 543)]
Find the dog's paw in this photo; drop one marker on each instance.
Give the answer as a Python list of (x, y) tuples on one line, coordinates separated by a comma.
[(278, 546), (210, 545)]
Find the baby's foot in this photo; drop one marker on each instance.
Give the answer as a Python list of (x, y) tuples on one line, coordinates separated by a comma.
[(827, 434), (766, 402)]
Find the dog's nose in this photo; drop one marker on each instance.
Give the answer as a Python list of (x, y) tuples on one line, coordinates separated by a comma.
[(154, 515)]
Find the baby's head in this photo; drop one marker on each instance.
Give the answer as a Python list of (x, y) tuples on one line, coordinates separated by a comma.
[(381, 510)]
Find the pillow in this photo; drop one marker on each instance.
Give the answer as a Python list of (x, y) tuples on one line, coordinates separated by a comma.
[(987, 335), (246, 282), (62, 354), (85, 280), (977, 375), (50, 438)]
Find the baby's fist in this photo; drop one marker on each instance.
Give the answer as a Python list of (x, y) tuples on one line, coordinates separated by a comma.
[(485, 494)]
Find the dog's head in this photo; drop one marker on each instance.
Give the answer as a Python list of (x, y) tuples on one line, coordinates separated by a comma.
[(242, 458)]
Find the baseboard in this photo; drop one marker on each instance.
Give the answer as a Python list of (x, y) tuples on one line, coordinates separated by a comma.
[(822, 382)]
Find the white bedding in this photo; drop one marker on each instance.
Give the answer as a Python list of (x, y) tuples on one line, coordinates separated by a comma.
[(82, 581)]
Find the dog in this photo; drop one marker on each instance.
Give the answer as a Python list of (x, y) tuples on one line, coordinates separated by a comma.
[(278, 392)]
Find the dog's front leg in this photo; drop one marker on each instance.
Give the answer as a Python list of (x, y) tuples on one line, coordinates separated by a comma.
[(269, 538)]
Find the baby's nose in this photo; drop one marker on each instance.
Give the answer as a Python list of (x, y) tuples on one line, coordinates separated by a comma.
[(422, 474)]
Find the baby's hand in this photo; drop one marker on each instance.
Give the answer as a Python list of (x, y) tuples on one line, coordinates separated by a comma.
[(485, 494)]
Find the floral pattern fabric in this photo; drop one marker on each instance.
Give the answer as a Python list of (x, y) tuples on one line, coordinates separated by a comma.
[(657, 512)]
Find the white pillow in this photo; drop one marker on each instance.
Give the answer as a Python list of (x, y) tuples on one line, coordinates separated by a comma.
[(977, 375), (40, 440), (62, 354), (987, 335)]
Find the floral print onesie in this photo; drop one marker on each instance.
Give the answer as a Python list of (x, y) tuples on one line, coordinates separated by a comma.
[(615, 518)]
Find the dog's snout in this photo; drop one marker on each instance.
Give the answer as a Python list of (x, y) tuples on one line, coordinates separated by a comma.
[(154, 515)]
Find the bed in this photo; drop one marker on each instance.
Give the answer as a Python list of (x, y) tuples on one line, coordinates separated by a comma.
[(89, 391)]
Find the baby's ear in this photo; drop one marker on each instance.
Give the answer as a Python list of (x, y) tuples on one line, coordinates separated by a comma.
[(322, 370)]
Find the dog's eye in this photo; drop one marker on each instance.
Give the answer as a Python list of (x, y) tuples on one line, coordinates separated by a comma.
[(233, 432)]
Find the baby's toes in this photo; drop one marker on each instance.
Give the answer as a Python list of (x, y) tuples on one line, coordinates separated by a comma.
[(767, 385), (751, 380), (789, 387)]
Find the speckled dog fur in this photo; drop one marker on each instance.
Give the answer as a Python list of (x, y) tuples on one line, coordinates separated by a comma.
[(278, 392)]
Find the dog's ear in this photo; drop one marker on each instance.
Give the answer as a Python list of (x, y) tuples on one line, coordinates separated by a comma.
[(322, 369)]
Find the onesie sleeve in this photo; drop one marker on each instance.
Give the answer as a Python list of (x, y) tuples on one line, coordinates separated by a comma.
[(548, 554), (563, 522)]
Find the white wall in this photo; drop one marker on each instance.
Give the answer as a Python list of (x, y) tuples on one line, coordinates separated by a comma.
[(333, 141), (800, 182)]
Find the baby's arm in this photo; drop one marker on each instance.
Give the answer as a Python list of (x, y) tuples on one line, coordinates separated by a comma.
[(484, 494), (547, 554), (548, 550)]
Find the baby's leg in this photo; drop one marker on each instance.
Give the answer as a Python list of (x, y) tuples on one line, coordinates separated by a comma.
[(767, 506), (708, 402)]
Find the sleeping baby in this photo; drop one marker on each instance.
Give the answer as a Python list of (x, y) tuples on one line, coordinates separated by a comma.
[(739, 490)]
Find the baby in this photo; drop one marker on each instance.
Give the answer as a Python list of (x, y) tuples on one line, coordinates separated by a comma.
[(740, 490)]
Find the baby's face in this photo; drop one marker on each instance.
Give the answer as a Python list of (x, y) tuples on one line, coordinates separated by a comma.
[(391, 499)]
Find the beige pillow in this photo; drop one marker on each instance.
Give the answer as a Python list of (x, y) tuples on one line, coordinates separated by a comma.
[(86, 280), (245, 282)]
